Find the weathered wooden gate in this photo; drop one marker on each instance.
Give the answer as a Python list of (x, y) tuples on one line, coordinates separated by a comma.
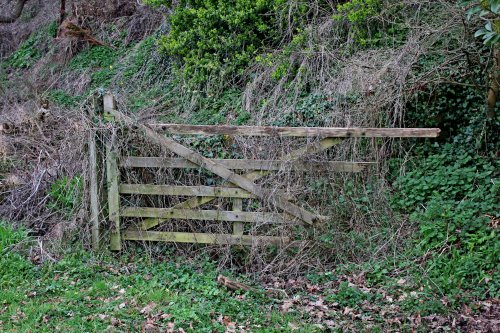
[(238, 186)]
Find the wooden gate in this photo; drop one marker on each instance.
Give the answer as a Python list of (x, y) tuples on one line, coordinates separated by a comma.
[(240, 176)]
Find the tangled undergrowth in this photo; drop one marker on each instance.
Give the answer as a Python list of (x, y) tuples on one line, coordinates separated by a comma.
[(420, 230)]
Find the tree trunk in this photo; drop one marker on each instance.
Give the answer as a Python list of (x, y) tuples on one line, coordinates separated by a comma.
[(495, 84)]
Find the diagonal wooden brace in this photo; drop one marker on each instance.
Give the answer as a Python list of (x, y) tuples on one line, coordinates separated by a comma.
[(252, 175), (279, 199)]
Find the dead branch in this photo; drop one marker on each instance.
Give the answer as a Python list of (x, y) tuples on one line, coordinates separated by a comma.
[(69, 29), (233, 285)]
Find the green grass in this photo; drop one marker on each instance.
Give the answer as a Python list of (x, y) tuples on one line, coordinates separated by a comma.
[(84, 293)]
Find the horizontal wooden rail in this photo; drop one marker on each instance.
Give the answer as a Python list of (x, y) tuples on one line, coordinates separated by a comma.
[(323, 132), (199, 191), (246, 164), (201, 238), (212, 215)]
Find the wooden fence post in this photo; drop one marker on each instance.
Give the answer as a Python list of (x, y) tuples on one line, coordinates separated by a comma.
[(113, 177), (95, 179)]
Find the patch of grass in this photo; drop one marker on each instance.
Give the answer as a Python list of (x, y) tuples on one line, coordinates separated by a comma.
[(65, 194), (81, 293), (31, 50), (61, 98), (94, 57)]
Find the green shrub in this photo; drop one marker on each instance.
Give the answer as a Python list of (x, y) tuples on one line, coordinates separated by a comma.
[(488, 11), (140, 59), (310, 110), (451, 174), (94, 57), (217, 39), (358, 13), (100, 60)]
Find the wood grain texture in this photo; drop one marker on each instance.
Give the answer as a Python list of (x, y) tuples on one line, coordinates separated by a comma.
[(112, 173), (276, 197), (246, 164), (211, 215), (95, 207), (319, 132), (238, 227), (211, 191), (200, 238)]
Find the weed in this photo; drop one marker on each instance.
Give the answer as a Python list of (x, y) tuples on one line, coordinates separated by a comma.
[(65, 194), (61, 98), (31, 50)]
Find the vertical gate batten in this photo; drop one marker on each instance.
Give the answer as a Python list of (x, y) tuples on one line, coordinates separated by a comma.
[(113, 175), (94, 193), (238, 227)]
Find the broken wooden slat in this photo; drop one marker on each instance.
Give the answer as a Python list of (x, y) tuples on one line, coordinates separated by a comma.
[(322, 132), (201, 191), (278, 197), (212, 215), (201, 238), (245, 164)]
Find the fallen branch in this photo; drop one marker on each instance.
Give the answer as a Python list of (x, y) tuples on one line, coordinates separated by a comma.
[(233, 285), (276, 294)]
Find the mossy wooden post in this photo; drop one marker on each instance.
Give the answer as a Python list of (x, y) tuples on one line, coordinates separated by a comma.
[(113, 176), (94, 183)]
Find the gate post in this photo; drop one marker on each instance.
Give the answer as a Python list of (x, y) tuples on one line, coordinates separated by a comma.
[(113, 177), (95, 184)]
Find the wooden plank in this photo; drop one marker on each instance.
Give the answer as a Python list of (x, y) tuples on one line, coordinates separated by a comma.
[(93, 190), (321, 132), (245, 164), (316, 147), (275, 197), (211, 215), (109, 105), (201, 191), (113, 177), (200, 238), (187, 204)]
